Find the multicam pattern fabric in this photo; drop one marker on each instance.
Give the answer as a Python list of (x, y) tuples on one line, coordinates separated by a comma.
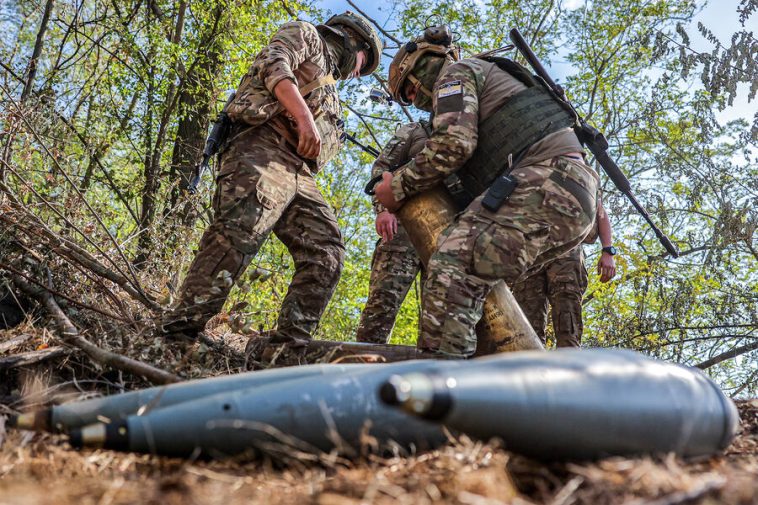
[(548, 214), (264, 186), (393, 268), (466, 93), (562, 282), (296, 52), (408, 140)]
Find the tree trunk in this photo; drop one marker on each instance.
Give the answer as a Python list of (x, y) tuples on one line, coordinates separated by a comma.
[(195, 109), (31, 71), (30, 74)]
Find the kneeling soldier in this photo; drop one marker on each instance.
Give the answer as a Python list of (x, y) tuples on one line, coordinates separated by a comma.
[(513, 149)]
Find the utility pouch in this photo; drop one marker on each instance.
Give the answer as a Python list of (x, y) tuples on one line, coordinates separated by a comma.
[(499, 192)]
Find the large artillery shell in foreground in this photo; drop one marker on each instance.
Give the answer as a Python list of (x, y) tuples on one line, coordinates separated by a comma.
[(67, 416), (503, 326), (308, 415), (577, 404)]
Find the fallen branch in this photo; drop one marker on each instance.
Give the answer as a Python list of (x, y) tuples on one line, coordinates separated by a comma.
[(261, 350), (83, 305), (14, 342), (72, 337), (74, 253), (32, 357)]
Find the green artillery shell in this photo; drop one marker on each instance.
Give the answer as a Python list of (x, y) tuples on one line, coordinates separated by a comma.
[(309, 415), (62, 418), (575, 404)]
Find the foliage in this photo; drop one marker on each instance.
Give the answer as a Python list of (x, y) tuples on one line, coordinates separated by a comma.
[(101, 145)]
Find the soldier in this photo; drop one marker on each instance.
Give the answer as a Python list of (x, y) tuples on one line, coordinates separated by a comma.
[(563, 282), (287, 123), (395, 263), (492, 122)]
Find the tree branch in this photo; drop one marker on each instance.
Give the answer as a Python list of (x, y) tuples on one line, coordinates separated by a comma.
[(373, 21), (733, 353), (71, 336)]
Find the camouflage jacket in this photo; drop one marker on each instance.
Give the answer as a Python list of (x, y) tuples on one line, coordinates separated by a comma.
[(466, 93), (296, 52), (408, 140)]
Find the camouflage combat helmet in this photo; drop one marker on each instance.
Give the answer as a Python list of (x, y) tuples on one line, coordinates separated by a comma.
[(410, 61), (371, 41)]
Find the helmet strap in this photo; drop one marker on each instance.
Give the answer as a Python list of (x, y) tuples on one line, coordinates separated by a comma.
[(419, 85)]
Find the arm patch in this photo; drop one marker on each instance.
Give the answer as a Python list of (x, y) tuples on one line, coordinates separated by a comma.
[(450, 97)]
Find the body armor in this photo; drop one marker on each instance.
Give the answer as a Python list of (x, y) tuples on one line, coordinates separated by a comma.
[(505, 136)]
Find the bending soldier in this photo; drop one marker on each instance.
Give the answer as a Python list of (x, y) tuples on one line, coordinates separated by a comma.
[(286, 126), (395, 263), (531, 152), (562, 282)]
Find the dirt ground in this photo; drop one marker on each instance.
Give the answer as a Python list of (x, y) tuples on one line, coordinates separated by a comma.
[(37, 468)]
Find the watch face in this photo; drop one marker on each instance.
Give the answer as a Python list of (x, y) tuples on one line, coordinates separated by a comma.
[(610, 250)]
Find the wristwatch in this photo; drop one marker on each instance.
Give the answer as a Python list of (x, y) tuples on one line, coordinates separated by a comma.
[(610, 250)]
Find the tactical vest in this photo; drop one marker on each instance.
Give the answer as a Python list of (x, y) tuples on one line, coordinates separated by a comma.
[(525, 118)]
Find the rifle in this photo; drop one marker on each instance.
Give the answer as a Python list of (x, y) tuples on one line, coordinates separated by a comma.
[(593, 139), (217, 136), (370, 150)]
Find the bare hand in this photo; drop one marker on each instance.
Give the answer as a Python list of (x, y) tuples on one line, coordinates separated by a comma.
[(386, 225), (308, 138), (384, 193), (606, 267)]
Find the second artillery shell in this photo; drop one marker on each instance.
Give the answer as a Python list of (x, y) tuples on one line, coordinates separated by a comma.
[(68, 416), (337, 411)]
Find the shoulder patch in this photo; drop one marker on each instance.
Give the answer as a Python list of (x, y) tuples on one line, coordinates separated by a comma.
[(449, 97), (449, 89)]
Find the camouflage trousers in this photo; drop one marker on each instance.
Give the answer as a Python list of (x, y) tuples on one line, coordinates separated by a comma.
[(562, 282), (548, 214), (264, 186), (394, 266)]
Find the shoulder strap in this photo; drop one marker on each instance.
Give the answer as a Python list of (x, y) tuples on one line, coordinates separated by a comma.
[(312, 86), (516, 70)]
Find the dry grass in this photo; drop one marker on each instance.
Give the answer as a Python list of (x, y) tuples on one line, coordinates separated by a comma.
[(37, 469)]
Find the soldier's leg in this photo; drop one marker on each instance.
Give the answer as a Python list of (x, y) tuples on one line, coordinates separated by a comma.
[(393, 268), (531, 294), (567, 282), (309, 230), (253, 187), (548, 214)]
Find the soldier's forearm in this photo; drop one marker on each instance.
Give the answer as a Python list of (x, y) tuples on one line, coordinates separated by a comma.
[(604, 230), (289, 96)]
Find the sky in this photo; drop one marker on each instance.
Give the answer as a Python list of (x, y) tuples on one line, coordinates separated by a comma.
[(720, 16)]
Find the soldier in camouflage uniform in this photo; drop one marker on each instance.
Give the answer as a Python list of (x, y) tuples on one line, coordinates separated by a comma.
[(286, 125), (563, 282), (549, 213), (395, 263)]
